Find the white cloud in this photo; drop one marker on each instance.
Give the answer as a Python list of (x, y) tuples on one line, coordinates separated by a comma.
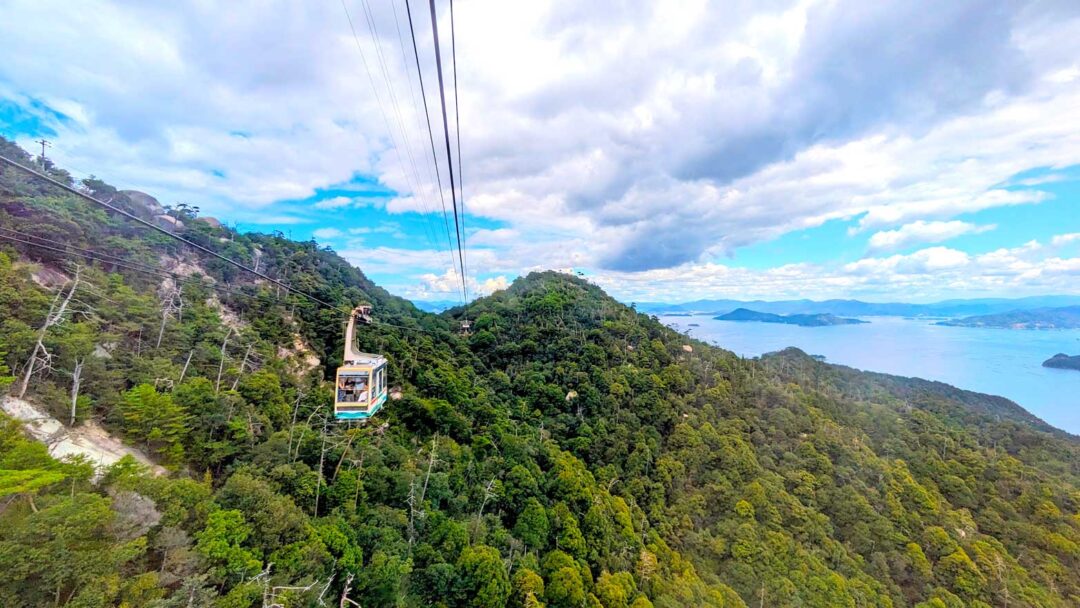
[(921, 232), (327, 233), (1065, 239), (391, 228), (928, 274), (334, 203), (732, 126), (448, 286), (492, 285)]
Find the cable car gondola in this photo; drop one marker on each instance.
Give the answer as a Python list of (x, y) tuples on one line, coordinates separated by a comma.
[(361, 380)]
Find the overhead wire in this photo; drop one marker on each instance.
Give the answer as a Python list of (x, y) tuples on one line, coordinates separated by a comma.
[(446, 136), (432, 169), (160, 272), (111, 260), (431, 133), (373, 29), (387, 122), (457, 137), (161, 230)]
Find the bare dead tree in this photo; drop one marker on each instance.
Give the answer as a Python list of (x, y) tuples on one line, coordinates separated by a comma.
[(432, 459), (76, 380), (322, 462), (172, 303), (411, 501), (54, 317), (243, 364), (296, 408), (303, 431), (187, 362), (488, 495), (221, 365), (350, 437), (345, 601)]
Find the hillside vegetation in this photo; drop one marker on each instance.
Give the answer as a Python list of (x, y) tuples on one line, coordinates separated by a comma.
[(570, 453)]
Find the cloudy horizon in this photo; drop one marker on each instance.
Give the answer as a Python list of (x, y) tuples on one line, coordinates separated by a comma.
[(668, 151)]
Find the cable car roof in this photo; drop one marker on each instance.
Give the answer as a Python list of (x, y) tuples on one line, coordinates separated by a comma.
[(365, 359)]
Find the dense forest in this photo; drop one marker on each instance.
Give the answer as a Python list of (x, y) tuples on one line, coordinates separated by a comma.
[(570, 452)]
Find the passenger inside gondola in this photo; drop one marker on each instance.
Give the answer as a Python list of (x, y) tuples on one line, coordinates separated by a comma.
[(352, 388)]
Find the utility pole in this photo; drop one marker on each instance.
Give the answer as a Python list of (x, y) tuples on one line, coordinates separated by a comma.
[(44, 142)]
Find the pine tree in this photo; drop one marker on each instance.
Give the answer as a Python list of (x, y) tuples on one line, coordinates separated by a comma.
[(152, 418)]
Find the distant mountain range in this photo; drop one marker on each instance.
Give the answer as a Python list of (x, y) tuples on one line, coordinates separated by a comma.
[(804, 320), (857, 308), (1066, 317)]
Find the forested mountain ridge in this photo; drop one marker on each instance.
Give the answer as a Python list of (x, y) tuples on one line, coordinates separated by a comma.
[(571, 452)]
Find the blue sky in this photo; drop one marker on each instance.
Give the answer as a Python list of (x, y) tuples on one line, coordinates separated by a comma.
[(885, 151)]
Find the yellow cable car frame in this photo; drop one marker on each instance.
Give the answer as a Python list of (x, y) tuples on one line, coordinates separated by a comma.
[(360, 387)]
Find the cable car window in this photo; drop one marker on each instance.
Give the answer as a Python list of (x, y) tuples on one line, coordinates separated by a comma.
[(352, 387)]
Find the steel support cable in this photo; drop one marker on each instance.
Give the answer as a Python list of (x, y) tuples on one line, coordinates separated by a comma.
[(98, 254), (416, 106), (256, 358), (160, 272), (197, 246), (134, 267), (373, 29), (427, 115), (457, 128), (446, 136), (157, 228), (119, 261), (382, 111)]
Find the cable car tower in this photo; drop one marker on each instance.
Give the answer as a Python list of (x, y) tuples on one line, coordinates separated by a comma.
[(360, 389)]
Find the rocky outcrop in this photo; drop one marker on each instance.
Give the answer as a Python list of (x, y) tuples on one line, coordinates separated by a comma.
[(88, 440), (169, 222), (145, 201)]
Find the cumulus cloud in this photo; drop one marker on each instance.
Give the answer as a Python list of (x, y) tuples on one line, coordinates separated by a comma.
[(927, 274), (448, 285), (921, 232), (334, 203), (327, 233), (1065, 239), (628, 139)]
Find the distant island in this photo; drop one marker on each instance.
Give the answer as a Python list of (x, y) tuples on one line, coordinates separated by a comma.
[(1063, 361), (946, 309), (804, 320), (1065, 317)]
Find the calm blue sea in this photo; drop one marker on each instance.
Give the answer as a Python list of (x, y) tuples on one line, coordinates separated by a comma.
[(995, 361)]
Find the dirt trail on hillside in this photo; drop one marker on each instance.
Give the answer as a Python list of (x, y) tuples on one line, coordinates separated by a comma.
[(89, 439)]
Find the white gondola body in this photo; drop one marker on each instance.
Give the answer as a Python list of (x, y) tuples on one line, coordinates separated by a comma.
[(360, 388)]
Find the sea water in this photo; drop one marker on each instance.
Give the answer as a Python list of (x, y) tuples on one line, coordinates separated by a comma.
[(1004, 362)]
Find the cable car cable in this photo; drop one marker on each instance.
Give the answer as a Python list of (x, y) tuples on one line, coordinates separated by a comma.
[(192, 280), (431, 134), (223, 258), (446, 136), (156, 228), (133, 266), (382, 112), (373, 29), (457, 128)]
